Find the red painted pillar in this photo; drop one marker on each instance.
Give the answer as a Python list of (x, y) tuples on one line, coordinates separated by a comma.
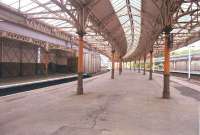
[(144, 72), (151, 65), (113, 65), (80, 65), (120, 66), (139, 66), (166, 73)]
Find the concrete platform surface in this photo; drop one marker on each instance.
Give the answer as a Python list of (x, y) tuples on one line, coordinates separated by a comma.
[(28, 79), (128, 105)]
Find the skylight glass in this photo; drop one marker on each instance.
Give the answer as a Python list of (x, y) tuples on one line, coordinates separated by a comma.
[(50, 13), (128, 12), (185, 27)]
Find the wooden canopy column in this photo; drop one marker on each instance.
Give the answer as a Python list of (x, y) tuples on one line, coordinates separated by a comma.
[(81, 23), (46, 61), (139, 66), (92, 62), (151, 65), (130, 65), (36, 60), (144, 70), (135, 65), (80, 64), (113, 64), (166, 73), (120, 66)]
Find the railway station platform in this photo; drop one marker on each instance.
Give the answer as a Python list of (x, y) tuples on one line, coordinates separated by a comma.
[(10, 86), (17, 80), (128, 105)]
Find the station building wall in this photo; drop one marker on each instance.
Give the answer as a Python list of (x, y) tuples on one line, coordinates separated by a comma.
[(24, 59), (17, 58), (92, 62)]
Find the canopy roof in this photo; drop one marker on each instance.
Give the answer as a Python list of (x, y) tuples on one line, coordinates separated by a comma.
[(129, 12), (186, 26), (131, 27), (102, 19)]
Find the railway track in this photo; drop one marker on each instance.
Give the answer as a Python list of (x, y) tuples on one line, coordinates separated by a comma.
[(194, 76), (28, 86)]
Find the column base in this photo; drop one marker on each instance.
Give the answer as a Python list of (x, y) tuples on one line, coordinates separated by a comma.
[(166, 88), (80, 84)]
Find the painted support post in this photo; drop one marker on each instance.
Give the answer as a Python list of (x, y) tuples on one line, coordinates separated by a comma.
[(135, 65), (37, 61), (80, 64), (113, 65), (130, 65), (46, 62), (166, 73), (151, 65), (139, 66), (144, 70), (92, 62), (84, 55), (120, 66), (81, 21), (88, 64)]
